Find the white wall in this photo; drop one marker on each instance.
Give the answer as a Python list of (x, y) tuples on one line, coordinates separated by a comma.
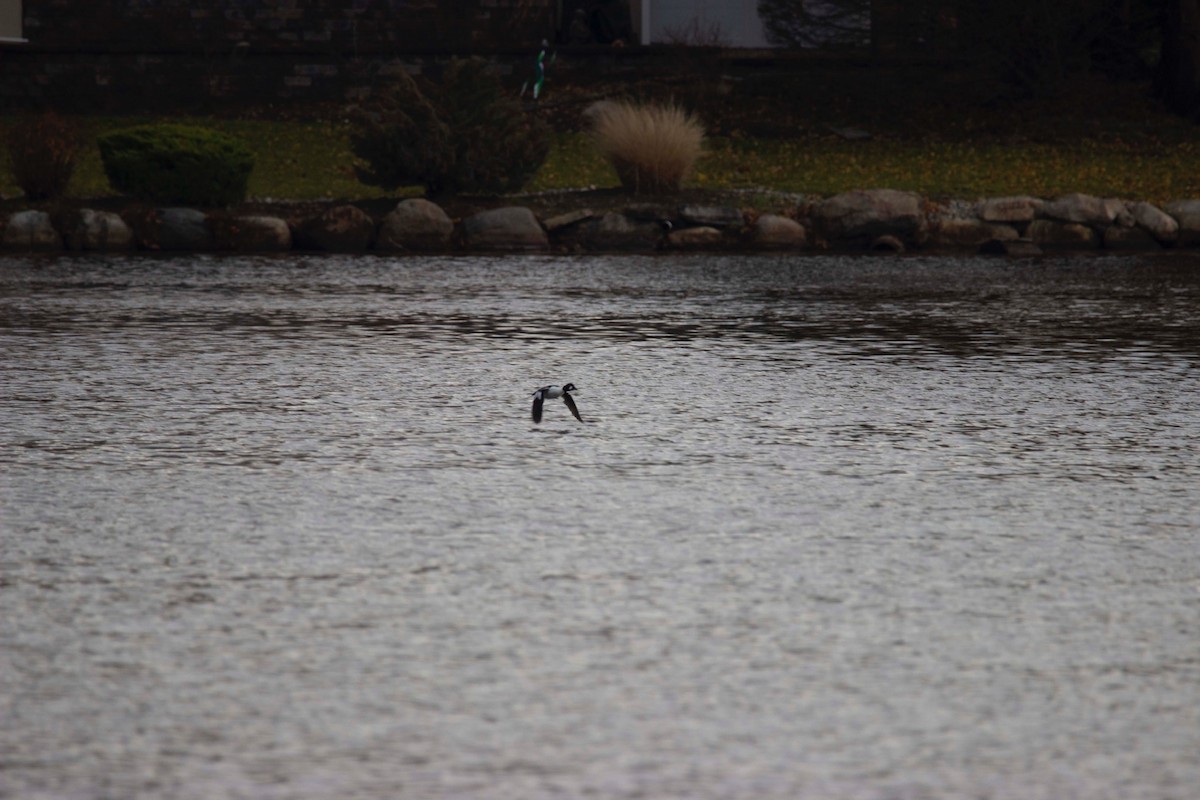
[(738, 20), (10, 19)]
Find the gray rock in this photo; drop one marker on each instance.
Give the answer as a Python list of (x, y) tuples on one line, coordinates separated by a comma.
[(650, 212), (1117, 237), (1159, 224), (711, 216), (772, 231), (510, 228), (415, 224), (1050, 234), (951, 208), (184, 229), (1083, 209), (615, 231), (967, 233), (698, 238), (1187, 214), (872, 213), (341, 229), (1009, 209), (887, 244), (31, 231), (560, 221), (88, 229), (1018, 248), (256, 234)]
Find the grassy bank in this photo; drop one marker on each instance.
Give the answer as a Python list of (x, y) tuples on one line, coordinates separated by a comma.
[(293, 160), (1143, 155), (1146, 169)]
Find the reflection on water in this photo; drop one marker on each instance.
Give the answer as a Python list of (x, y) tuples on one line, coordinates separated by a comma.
[(834, 527), (983, 307)]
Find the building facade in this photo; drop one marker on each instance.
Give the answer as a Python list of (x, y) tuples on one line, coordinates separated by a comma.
[(722, 23), (112, 55)]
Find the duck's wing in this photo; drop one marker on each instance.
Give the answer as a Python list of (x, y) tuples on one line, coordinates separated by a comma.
[(571, 405), (537, 407)]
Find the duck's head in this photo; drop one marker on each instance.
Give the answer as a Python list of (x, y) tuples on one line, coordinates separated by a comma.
[(570, 387)]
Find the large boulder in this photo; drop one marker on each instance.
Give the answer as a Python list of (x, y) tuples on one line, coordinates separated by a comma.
[(340, 229), (887, 244), (869, 214), (955, 232), (181, 229), (616, 232), (1083, 209), (701, 237), (1009, 209), (31, 230), (777, 232), (415, 224), (1049, 234), (510, 228), (88, 229), (1120, 237), (1159, 224), (255, 234), (561, 222), (711, 216), (658, 213), (1186, 214)]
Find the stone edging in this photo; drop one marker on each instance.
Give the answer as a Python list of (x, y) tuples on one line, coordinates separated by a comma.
[(868, 220)]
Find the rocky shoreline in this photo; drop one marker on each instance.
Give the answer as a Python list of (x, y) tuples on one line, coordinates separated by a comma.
[(876, 220)]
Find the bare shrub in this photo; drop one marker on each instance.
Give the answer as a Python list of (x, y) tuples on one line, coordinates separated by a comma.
[(42, 151), (460, 135), (652, 148)]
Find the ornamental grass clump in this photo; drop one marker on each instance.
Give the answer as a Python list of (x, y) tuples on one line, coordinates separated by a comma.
[(42, 151), (652, 148)]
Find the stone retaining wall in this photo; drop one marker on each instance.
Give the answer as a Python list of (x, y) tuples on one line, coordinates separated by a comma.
[(879, 220)]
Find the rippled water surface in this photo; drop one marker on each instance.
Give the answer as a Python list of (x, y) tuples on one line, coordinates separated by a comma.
[(876, 529)]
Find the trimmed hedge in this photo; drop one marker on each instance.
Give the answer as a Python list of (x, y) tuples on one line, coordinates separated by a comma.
[(177, 164)]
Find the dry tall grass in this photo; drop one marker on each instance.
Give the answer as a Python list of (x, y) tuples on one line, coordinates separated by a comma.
[(652, 148)]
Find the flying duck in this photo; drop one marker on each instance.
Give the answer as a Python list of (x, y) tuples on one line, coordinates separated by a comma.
[(551, 392)]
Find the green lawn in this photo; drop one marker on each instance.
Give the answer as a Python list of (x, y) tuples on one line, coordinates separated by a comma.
[(312, 160), (293, 160), (1150, 170)]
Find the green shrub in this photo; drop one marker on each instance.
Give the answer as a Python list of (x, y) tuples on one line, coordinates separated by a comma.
[(402, 139), (652, 148), (177, 164), (41, 153), (462, 135)]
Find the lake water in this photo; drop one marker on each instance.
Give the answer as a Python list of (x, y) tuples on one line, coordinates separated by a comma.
[(857, 528)]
